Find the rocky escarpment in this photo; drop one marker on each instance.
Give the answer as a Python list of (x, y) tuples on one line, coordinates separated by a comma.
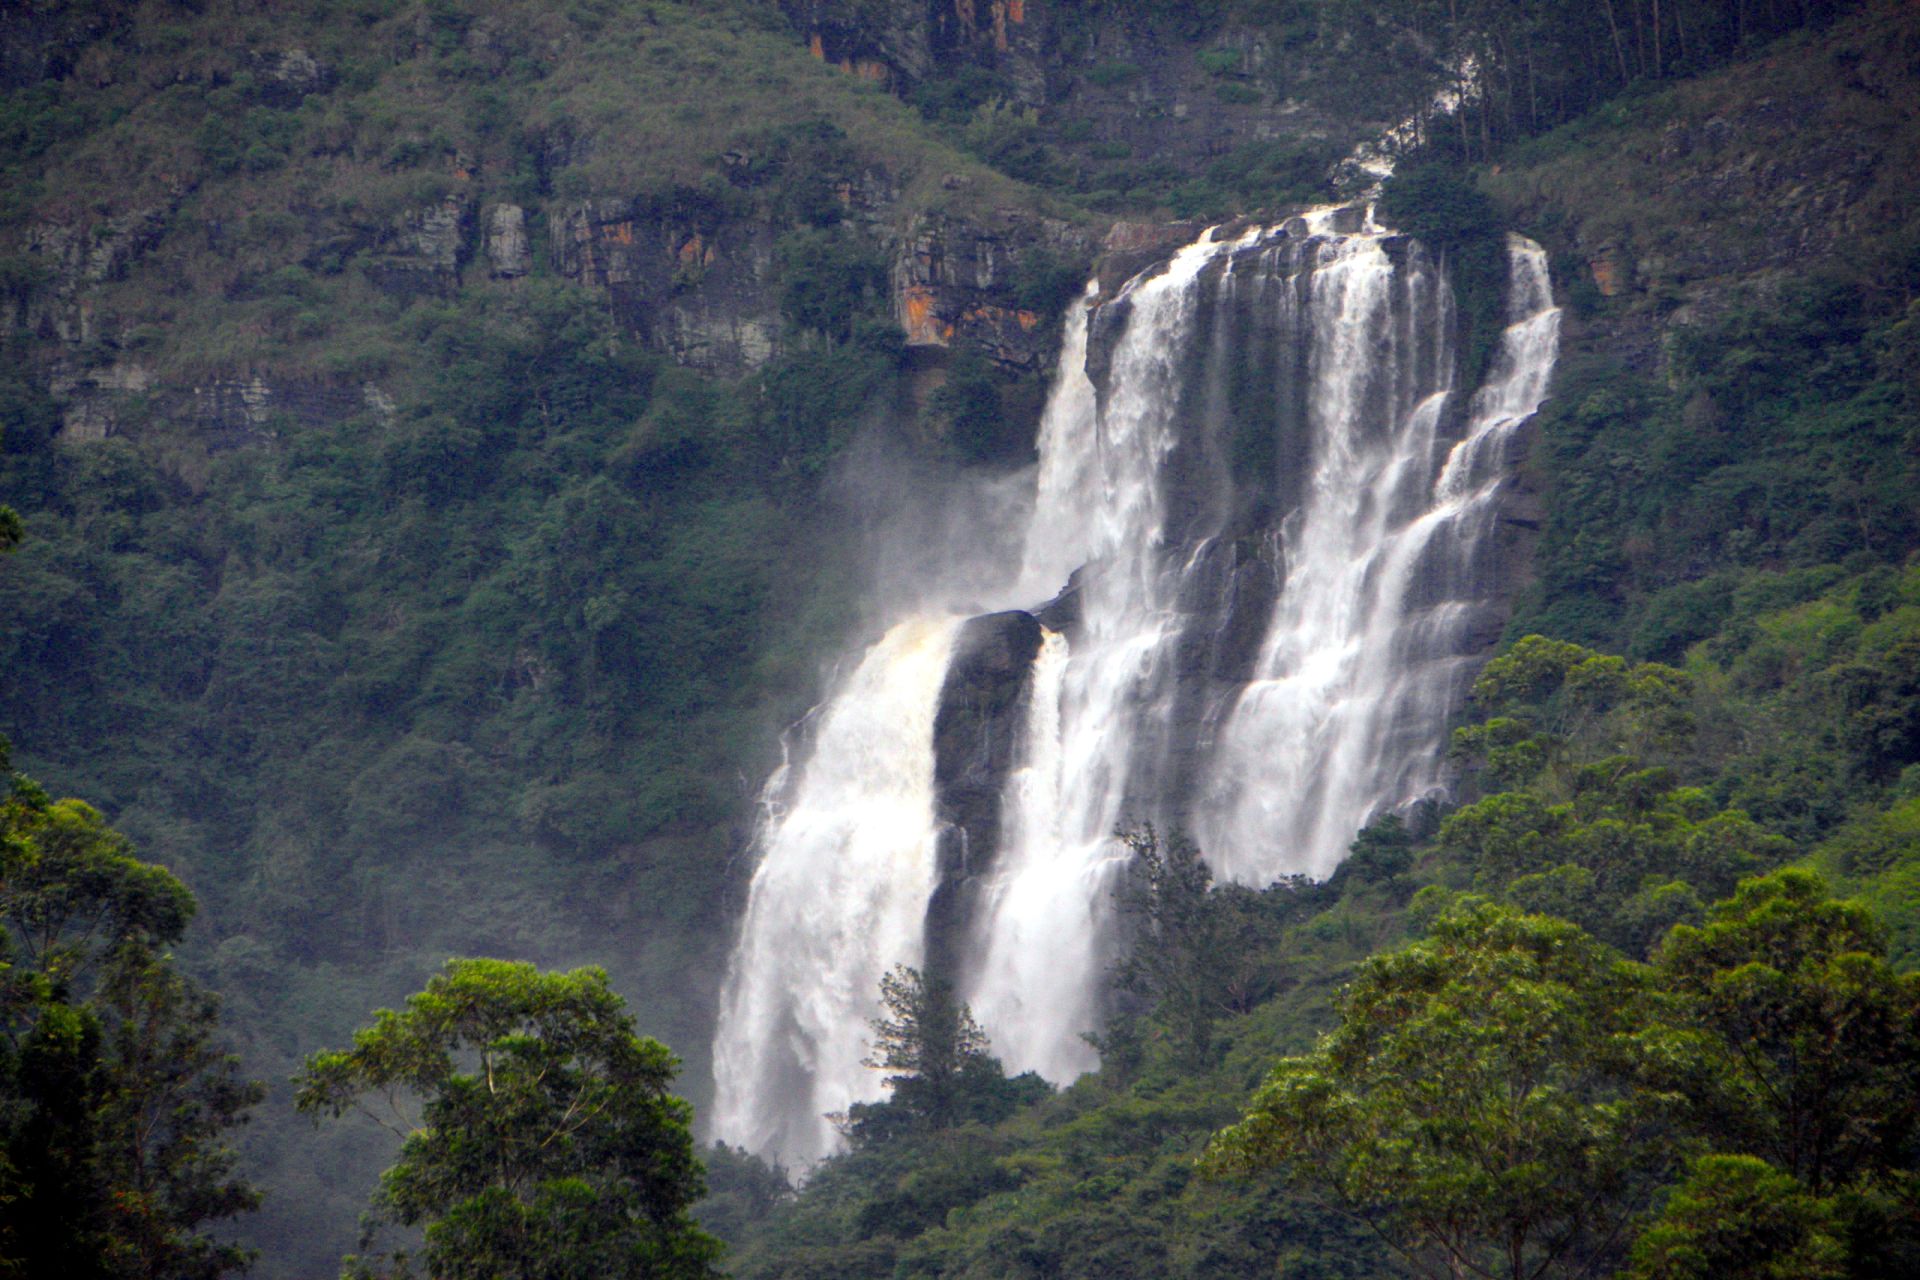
[(692, 277), (222, 413), (906, 45), (693, 283), (990, 284), (1104, 83), (294, 157)]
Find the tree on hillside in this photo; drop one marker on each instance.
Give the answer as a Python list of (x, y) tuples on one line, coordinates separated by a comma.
[(1799, 1042), (1195, 951), (940, 1072), (1502, 1098), (541, 1142), (114, 1094), (1476, 1104)]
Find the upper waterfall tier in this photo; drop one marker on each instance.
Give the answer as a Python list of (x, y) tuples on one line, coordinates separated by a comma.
[(1270, 533)]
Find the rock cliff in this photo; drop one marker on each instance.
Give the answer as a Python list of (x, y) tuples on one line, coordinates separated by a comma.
[(976, 740)]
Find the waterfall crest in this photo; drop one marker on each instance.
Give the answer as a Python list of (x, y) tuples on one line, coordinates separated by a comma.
[(1265, 555)]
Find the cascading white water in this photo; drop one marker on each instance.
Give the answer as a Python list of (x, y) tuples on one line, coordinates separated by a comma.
[(1040, 948), (1360, 669), (1040, 918), (1279, 534), (839, 897)]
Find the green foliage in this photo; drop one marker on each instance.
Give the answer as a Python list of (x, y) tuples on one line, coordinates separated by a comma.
[(508, 659), (829, 280), (1579, 825), (741, 1189), (1218, 62), (1195, 954), (1543, 65), (1044, 282), (1272, 174), (1502, 1095), (508, 656), (1810, 1041), (1440, 205), (973, 416), (1740, 1218), (1114, 75), (1475, 1103), (953, 98), (114, 1095), (1776, 446), (546, 1142), (942, 1073)]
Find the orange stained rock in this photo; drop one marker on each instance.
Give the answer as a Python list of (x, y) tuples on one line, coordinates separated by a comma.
[(1000, 25), (923, 327), (618, 232), (816, 48), (993, 317), (1606, 275), (1016, 11), (695, 250)]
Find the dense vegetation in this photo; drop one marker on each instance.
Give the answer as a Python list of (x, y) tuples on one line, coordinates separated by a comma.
[(114, 1090), (480, 674), (496, 663)]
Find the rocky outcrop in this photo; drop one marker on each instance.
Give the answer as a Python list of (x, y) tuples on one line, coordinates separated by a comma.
[(509, 253), (223, 413), (425, 249), (71, 259), (976, 741), (40, 41), (287, 77), (1738, 180), (1139, 82), (978, 283), (904, 44), (693, 282)]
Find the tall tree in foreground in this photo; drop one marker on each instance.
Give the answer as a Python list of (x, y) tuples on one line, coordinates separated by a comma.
[(1477, 1103), (541, 1142), (114, 1094)]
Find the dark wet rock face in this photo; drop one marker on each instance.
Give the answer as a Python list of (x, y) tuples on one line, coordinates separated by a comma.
[(976, 739)]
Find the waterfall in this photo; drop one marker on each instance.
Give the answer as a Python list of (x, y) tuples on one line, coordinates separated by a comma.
[(1263, 559), (1369, 647), (845, 871)]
